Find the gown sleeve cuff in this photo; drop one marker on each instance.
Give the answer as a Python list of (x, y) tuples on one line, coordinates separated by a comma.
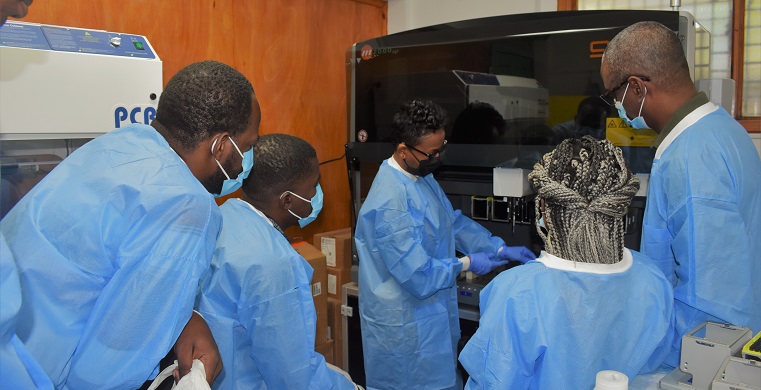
[(465, 260)]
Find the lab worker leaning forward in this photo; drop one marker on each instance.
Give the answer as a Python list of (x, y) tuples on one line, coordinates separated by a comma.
[(258, 300), (702, 220), (587, 303), (111, 245), (18, 368), (406, 237)]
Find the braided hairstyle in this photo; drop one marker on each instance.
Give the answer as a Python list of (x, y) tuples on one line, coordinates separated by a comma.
[(587, 189)]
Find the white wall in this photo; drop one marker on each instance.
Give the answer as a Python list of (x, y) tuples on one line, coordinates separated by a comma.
[(756, 137), (410, 14)]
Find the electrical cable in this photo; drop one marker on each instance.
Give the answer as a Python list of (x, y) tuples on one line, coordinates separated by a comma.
[(333, 159)]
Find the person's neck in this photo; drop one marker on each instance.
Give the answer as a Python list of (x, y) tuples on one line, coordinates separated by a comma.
[(668, 105), (185, 155), (271, 210), (402, 163), (399, 160), (173, 143)]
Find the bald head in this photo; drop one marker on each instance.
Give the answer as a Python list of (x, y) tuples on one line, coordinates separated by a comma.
[(648, 49)]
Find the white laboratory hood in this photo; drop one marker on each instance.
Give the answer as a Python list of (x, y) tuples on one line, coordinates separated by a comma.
[(69, 83), (61, 87)]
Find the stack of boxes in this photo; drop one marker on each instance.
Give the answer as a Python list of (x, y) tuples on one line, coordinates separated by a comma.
[(336, 246), (322, 342)]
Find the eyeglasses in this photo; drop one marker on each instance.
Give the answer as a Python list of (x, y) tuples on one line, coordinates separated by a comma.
[(610, 97), (435, 154)]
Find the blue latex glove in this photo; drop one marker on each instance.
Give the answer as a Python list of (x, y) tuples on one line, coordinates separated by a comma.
[(515, 253), (483, 263)]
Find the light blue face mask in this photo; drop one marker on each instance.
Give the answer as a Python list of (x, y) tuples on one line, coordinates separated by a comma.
[(316, 206), (231, 185), (639, 121)]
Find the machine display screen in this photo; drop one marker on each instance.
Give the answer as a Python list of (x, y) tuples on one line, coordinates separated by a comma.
[(513, 86)]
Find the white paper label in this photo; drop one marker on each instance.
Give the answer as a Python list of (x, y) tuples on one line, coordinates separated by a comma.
[(328, 247), (316, 289), (332, 281)]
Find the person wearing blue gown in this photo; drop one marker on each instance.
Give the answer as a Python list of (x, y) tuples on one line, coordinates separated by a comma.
[(110, 246), (18, 368), (406, 236), (258, 298), (587, 304), (702, 219)]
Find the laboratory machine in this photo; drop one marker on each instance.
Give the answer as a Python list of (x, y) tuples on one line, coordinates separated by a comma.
[(514, 86), (712, 358), (62, 86)]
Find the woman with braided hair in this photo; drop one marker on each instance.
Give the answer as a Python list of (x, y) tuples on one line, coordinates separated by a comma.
[(587, 303)]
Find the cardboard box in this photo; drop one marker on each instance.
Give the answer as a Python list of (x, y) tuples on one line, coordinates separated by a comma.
[(316, 259), (336, 245), (336, 279), (326, 350), (335, 322)]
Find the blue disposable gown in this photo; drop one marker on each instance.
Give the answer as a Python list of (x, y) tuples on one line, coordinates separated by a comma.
[(18, 368), (110, 247), (258, 303), (702, 224), (406, 237), (546, 327)]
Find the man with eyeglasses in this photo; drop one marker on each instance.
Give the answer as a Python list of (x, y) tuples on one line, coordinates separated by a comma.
[(407, 233), (702, 223)]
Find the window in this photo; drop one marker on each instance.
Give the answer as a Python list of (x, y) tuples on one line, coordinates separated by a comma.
[(751, 102), (719, 18)]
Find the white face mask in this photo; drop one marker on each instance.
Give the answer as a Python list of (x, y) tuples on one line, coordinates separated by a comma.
[(639, 121)]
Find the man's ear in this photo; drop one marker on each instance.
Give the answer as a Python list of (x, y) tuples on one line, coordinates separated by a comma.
[(219, 145), (637, 86), (285, 201)]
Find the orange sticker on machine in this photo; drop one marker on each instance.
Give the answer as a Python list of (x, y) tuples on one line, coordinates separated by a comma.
[(366, 52)]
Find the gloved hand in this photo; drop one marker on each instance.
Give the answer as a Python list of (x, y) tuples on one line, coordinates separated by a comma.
[(515, 253), (483, 263)]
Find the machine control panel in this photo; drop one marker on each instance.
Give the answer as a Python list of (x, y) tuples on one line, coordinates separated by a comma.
[(468, 293), (43, 37)]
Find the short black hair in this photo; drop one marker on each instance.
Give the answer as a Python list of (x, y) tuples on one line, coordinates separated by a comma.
[(280, 161), (204, 99), (416, 119)]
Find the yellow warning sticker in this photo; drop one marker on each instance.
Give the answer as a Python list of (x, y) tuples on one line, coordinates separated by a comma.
[(620, 134)]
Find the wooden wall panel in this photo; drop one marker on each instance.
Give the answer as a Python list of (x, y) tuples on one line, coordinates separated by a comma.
[(293, 51)]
